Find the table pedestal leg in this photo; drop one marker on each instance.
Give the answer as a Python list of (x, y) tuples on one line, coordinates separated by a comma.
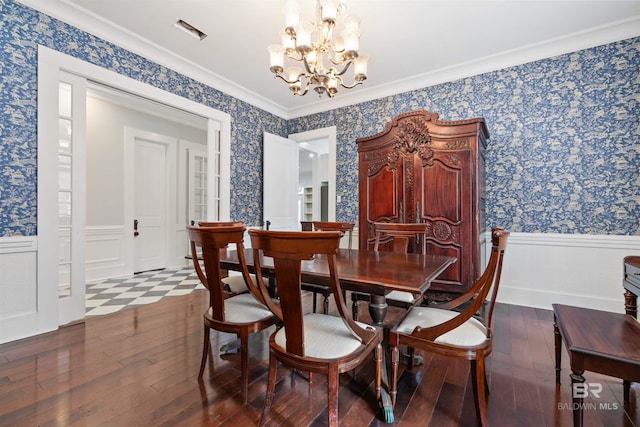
[(378, 308)]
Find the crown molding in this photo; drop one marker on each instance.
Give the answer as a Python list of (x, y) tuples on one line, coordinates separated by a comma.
[(98, 26)]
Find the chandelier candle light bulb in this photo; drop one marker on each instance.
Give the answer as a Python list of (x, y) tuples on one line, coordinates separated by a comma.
[(313, 45)]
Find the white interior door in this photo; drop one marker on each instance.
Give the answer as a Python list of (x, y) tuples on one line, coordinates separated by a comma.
[(280, 183), (149, 206)]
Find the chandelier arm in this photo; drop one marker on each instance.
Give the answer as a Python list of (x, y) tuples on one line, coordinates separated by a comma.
[(352, 86), (306, 65), (295, 55), (346, 67), (280, 76), (306, 89)]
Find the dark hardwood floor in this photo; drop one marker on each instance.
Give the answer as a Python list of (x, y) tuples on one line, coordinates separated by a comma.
[(138, 367)]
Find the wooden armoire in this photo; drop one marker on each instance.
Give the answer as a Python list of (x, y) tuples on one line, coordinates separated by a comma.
[(423, 169)]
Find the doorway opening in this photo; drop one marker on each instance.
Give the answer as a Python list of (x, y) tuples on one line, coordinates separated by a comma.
[(51, 64)]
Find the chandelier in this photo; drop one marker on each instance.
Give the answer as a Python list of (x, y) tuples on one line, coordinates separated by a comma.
[(322, 58)]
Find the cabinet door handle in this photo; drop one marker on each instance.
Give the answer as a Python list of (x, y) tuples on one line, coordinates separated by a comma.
[(135, 228)]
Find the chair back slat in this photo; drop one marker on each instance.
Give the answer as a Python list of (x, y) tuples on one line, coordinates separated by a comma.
[(211, 224), (288, 250), (400, 235), (211, 240), (346, 227), (476, 296)]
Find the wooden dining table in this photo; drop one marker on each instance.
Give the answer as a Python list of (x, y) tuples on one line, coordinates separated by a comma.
[(368, 272)]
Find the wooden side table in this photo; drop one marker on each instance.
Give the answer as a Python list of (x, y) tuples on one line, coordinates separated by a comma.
[(631, 284), (597, 341)]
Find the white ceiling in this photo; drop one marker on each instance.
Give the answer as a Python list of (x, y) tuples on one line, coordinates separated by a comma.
[(412, 44)]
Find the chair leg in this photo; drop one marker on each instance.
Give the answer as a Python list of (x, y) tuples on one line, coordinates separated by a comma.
[(244, 365), (325, 304), (411, 352), (479, 396), (332, 395), (626, 386), (378, 359), (314, 301), (395, 361), (486, 383), (206, 345), (271, 385)]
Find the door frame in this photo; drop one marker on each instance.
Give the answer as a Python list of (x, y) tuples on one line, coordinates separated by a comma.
[(329, 133), (50, 62)]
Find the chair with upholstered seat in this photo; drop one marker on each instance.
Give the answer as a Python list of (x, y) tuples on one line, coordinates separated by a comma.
[(240, 314), (311, 342), (233, 283), (459, 328), (396, 237), (345, 227)]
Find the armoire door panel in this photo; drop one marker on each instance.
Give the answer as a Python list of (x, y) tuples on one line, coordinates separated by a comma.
[(441, 192), (384, 198)]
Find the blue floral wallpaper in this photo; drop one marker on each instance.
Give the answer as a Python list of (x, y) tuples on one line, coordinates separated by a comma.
[(22, 30), (564, 153)]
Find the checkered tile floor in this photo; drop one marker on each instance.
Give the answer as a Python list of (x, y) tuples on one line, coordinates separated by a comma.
[(112, 295)]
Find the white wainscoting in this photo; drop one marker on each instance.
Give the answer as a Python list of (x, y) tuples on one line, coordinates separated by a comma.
[(105, 257), (19, 315), (181, 247), (584, 270)]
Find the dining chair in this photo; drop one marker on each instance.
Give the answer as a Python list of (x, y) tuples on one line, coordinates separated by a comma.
[(235, 283), (311, 342), (458, 328), (345, 227), (396, 237), (240, 314)]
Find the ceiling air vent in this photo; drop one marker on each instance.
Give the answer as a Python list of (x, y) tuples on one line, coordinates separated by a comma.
[(189, 29)]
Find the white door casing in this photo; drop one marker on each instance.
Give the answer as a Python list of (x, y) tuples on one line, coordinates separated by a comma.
[(50, 62)]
